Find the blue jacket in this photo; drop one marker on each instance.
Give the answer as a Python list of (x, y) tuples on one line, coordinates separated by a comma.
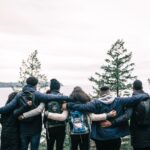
[(103, 106), (38, 97)]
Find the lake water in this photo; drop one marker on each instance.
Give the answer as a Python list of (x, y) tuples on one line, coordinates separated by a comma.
[(4, 92)]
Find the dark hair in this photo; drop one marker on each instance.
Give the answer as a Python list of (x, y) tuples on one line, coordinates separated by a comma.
[(48, 92), (104, 91), (32, 81), (137, 85), (104, 88), (11, 96), (54, 84), (79, 95)]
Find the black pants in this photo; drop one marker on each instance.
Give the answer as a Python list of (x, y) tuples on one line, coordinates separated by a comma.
[(80, 140), (108, 145), (145, 148), (9, 141), (55, 134)]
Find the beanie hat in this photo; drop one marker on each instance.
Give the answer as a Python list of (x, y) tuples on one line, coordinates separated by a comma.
[(137, 85), (54, 84), (104, 90), (32, 81)]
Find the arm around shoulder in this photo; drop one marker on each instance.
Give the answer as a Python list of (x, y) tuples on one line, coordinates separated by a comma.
[(88, 107), (98, 117), (59, 117), (125, 117), (35, 111), (49, 97), (132, 101)]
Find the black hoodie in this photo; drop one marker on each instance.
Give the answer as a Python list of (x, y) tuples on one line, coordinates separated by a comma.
[(140, 135), (33, 125)]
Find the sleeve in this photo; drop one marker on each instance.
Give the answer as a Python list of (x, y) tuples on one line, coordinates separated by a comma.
[(35, 111), (88, 107), (10, 106), (134, 100), (98, 117), (59, 117), (49, 97), (19, 111), (125, 117), (0, 119)]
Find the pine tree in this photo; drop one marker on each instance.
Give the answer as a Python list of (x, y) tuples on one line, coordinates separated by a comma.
[(32, 67), (116, 73)]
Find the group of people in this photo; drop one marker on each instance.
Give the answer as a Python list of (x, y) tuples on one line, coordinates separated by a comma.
[(104, 119)]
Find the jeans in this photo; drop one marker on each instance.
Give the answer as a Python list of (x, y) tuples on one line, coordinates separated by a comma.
[(33, 140)]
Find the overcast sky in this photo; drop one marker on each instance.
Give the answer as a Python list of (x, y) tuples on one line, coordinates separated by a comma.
[(72, 36)]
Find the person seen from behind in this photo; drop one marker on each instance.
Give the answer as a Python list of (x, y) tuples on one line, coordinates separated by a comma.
[(140, 121), (10, 136), (55, 130)]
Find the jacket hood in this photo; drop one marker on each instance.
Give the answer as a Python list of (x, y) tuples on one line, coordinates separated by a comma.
[(28, 88), (107, 99), (55, 92)]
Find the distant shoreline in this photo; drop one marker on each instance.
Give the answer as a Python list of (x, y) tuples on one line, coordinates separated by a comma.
[(9, 84)]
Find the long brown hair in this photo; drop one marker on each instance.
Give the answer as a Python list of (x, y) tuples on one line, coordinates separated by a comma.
[(79, 95)]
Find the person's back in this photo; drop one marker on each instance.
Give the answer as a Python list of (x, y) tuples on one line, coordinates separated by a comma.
[(10, 132), (108, 138), (78, 121), (111, 132), (53, 107), (32, 125), (140, 134), (55, 130), (107, 103)]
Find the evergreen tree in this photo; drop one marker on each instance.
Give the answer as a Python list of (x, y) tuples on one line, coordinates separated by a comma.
[(116, 73), (32, 67)]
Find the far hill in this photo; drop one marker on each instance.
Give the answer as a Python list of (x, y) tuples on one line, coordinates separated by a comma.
[(9, 84)]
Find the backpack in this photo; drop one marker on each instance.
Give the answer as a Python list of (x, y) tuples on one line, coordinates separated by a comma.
[(142, 113), (27, 96), (54, 107), (24, 98), (78, 122)]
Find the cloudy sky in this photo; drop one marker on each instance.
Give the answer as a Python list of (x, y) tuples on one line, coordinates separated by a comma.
[(72, 36)]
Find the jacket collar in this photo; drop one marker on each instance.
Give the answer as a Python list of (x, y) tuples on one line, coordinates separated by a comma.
[(29, 88)]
